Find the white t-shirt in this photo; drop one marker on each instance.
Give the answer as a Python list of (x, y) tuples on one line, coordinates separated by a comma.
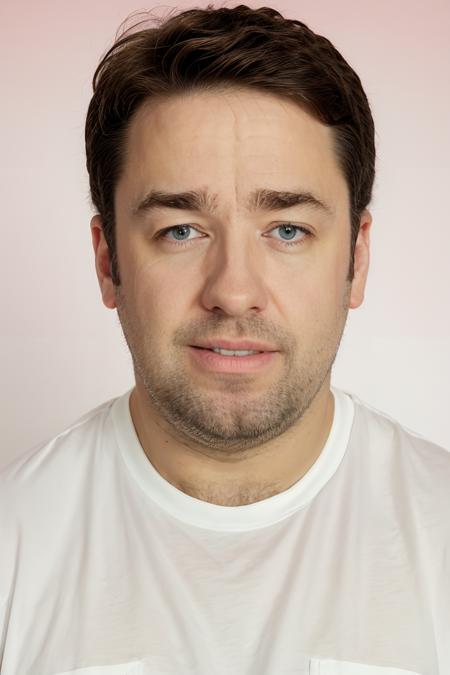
[(108, 569)]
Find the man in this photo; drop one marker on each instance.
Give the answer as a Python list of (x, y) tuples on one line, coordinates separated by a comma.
[(232, 513)]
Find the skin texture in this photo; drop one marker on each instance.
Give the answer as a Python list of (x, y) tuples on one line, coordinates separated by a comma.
[(232, 438)]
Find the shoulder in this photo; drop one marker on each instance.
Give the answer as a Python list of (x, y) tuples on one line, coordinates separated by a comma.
[(54, 465), (412, 466), (45, 495), (384, 428)]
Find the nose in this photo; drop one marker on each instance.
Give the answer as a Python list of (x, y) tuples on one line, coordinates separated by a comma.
[(234, 279)]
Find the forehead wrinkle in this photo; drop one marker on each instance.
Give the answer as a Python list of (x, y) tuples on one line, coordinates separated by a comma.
[(207, 201)]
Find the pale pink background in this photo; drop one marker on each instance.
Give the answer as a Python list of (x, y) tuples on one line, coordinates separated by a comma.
[(62, 351)]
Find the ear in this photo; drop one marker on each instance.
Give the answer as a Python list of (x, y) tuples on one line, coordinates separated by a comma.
[(361, 261), (103, 263)]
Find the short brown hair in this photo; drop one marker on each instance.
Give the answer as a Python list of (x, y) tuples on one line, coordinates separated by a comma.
[(240, 46)]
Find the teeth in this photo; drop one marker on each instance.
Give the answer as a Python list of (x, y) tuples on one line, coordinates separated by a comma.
[(234, 352)]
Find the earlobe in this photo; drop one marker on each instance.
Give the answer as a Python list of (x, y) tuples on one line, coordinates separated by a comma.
[(361, 261), (102, 263)]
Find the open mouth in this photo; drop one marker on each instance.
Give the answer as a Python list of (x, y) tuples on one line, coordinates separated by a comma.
[(238, 361), (230, 352)]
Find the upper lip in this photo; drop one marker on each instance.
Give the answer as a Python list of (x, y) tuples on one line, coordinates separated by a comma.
[(235, 345)]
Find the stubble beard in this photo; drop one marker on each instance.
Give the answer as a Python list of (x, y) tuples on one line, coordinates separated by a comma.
[(229, 418)]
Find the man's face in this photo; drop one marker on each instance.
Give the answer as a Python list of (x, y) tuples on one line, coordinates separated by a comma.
[(235, 270)]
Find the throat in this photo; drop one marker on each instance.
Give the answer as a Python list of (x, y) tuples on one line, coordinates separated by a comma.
[(232, 494)]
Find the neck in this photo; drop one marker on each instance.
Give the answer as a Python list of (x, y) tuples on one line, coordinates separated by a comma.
[(240, 478)]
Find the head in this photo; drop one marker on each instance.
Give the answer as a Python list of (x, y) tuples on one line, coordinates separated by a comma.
[(263, 125)]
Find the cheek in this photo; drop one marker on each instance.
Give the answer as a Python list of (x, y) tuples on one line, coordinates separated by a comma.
[(161, 294), (333, 270), (314, 293), (319, 275)]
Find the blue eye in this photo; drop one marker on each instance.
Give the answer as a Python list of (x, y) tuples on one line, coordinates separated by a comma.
[(288, 233), (180, 231), (287, 230), (180, 234)]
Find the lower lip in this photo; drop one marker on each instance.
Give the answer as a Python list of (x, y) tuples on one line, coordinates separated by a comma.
[(231, 364)]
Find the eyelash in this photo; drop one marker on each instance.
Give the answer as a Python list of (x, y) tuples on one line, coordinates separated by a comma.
[(187, 242)]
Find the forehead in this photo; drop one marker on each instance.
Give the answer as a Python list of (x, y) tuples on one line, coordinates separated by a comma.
[(232, 141)]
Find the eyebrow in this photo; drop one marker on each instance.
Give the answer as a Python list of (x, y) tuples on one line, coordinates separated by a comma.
[(201, 200)]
